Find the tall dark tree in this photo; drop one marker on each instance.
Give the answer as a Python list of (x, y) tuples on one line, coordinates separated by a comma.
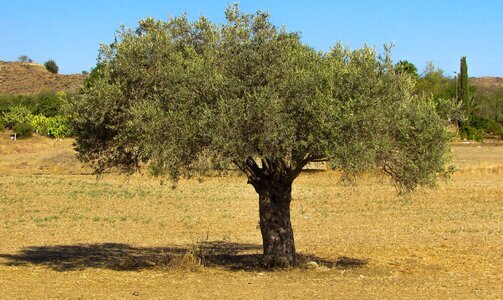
[(180, 97), (463, 91), (467, 93)]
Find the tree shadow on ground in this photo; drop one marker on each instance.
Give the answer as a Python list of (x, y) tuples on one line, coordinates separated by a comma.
[(123, 257)]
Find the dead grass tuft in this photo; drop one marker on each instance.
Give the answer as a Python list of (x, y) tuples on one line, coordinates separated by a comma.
[(185, 262)]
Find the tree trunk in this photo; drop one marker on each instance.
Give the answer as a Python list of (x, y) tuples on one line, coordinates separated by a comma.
[(275, 225)]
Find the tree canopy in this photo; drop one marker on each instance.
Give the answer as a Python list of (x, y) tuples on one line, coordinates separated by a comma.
[(407, 67), (182, 97)]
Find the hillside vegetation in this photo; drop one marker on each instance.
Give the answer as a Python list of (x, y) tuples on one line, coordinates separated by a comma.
[(30, 78)]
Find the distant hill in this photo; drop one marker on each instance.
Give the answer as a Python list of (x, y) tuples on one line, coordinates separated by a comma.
[(487, 85), (30, 78)]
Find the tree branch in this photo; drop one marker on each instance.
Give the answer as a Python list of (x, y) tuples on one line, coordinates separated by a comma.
[(251, 169), (300, 164)]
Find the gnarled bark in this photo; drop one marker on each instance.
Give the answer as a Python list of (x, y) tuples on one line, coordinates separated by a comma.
[(273, 183), (275, 225)]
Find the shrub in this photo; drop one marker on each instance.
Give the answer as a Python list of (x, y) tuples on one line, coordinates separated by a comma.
[(7, 101), (51, 66), (485, 124), (468, 132), (54, 127), (39, 123), (23, 130), (17, 114), (48, 104), (57, 127)]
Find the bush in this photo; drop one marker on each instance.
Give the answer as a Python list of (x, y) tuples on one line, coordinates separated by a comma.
[(57, 127), (17, 114), (7, 101), (51, 66), (54, 127), (39, 123), (48, 104), (467, 132), (485, 124), (23, 130)]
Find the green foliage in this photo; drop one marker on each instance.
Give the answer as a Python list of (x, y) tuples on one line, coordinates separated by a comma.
[(487, 125), (406, 67), (39, 123), (464, 91), (45, 103), (467, 132), (8, 101), (491, 106), (42, 111), (93, 76), (477, 128), (183, 96), (51, 66), (17, 114), (48, 104), (433, 83), (54, 127), (23, 130)]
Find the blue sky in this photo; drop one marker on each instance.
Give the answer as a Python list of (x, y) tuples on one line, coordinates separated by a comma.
[(440, 31)]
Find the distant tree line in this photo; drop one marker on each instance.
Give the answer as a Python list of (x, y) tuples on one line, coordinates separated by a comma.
[(476, 116)]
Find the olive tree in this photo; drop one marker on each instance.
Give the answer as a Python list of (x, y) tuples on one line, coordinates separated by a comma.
[(179, 97)]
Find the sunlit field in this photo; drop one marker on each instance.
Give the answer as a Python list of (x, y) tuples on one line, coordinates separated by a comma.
[(64, 234)]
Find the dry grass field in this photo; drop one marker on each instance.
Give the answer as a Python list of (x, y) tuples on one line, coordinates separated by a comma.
[(63, 234)]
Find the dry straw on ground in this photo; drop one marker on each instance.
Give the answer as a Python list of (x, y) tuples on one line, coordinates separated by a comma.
[(65, 235)]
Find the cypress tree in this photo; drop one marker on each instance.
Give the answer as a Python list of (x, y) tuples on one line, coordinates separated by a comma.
[(464, 93)]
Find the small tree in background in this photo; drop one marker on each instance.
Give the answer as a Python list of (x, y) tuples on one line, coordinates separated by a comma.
[(51, 66), (407, 67), (24, 59), (182, 97), (93, 77)]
